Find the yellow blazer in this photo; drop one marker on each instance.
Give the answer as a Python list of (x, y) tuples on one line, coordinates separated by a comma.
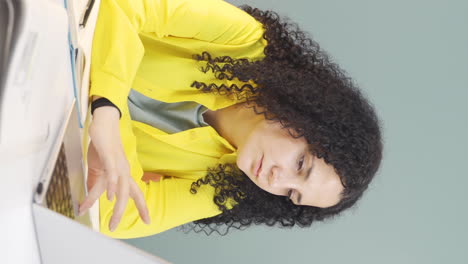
[(148, 45)]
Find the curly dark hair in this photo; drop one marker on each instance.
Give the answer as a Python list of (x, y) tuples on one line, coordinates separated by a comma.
[(299, 86)]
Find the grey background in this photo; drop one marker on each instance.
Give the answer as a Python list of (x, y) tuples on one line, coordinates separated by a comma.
[(411, 59)]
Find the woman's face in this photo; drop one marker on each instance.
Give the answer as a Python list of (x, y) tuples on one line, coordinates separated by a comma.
[(283, 165)]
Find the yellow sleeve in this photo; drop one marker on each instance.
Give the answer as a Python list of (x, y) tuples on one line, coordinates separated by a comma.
[(117, 49), (170, 204)]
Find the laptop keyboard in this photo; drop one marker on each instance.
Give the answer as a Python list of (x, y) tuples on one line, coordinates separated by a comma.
[(58, 195)]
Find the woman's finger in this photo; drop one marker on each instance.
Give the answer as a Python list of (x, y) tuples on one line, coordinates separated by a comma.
[(92, 196), (140, 202), (93, 175), (116, 169), (120, 204), (112, 180)]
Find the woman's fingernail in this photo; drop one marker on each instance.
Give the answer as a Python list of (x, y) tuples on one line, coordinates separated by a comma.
[(112, 226)]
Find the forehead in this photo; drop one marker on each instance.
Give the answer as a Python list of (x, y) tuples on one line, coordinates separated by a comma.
[(323, 187)]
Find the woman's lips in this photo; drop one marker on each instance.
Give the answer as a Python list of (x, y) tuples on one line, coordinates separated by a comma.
[(259, 167)]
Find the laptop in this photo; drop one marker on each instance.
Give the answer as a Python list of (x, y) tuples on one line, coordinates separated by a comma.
[(62, 184), (41, 137)]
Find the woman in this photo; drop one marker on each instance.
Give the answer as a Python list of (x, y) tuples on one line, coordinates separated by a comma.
[(207, 113)]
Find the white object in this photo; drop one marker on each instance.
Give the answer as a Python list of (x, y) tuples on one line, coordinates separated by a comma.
[(34, 100), (37, 114)]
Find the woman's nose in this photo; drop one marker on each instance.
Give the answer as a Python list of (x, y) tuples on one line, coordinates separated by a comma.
[(280, 177), (273, 177)]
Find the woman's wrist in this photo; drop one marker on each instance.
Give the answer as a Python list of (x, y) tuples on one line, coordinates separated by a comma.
[(106, 112), (102, 102)]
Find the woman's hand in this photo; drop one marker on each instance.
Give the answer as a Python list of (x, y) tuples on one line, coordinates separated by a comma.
[(109, 168), (95, 168)]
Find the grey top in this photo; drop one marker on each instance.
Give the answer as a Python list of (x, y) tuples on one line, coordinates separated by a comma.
[(168, 117)]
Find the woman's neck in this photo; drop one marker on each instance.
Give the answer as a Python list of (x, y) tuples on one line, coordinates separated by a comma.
[(233, 123)]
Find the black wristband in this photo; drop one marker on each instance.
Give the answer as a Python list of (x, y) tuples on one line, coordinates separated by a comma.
[(103, 102)]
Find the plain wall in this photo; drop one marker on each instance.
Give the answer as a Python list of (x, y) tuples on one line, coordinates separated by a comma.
[(411, 59)]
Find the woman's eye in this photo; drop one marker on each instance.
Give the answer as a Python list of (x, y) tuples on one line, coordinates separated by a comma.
[(301, 163)]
